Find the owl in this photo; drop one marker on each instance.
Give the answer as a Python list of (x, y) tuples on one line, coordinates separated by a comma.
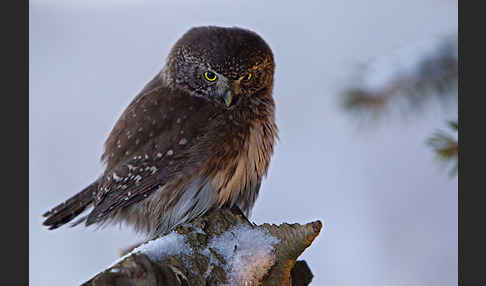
[(198, 136)]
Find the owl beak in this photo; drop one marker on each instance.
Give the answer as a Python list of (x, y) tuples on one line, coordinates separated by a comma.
[(228, 97)]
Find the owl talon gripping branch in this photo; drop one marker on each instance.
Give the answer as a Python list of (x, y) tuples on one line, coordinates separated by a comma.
[(198, 136)]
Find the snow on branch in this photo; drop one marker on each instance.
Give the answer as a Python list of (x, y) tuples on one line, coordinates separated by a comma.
[(220, 248)]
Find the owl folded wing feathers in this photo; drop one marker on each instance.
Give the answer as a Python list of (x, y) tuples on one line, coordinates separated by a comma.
[(149, 146)]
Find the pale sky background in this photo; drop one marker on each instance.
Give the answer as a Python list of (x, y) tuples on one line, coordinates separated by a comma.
[(389, 211)]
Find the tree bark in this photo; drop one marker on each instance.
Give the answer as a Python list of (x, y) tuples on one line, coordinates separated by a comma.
[(197, 254)]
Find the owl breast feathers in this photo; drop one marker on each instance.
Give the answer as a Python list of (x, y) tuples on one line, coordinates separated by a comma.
[(198, 136)]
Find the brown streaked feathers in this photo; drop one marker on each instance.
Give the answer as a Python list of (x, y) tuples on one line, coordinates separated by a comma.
[(185, 145)]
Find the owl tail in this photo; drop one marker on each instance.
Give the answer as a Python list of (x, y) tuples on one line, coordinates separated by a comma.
[(71, 208)]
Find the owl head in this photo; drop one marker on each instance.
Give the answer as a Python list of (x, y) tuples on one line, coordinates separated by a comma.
[(226, 66)]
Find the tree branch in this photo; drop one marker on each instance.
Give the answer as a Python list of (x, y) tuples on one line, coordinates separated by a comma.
[(220, 248)]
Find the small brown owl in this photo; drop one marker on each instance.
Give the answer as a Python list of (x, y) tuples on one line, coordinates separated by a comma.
[(198, 136)]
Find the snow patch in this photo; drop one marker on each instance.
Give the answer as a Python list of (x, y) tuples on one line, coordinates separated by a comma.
[(249, 254), (159, 249)]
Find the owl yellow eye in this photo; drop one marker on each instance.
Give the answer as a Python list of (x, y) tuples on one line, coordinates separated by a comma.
[(248, 77), (209, 76)]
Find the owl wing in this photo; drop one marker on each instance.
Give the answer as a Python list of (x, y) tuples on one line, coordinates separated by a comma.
[(155, 140)]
